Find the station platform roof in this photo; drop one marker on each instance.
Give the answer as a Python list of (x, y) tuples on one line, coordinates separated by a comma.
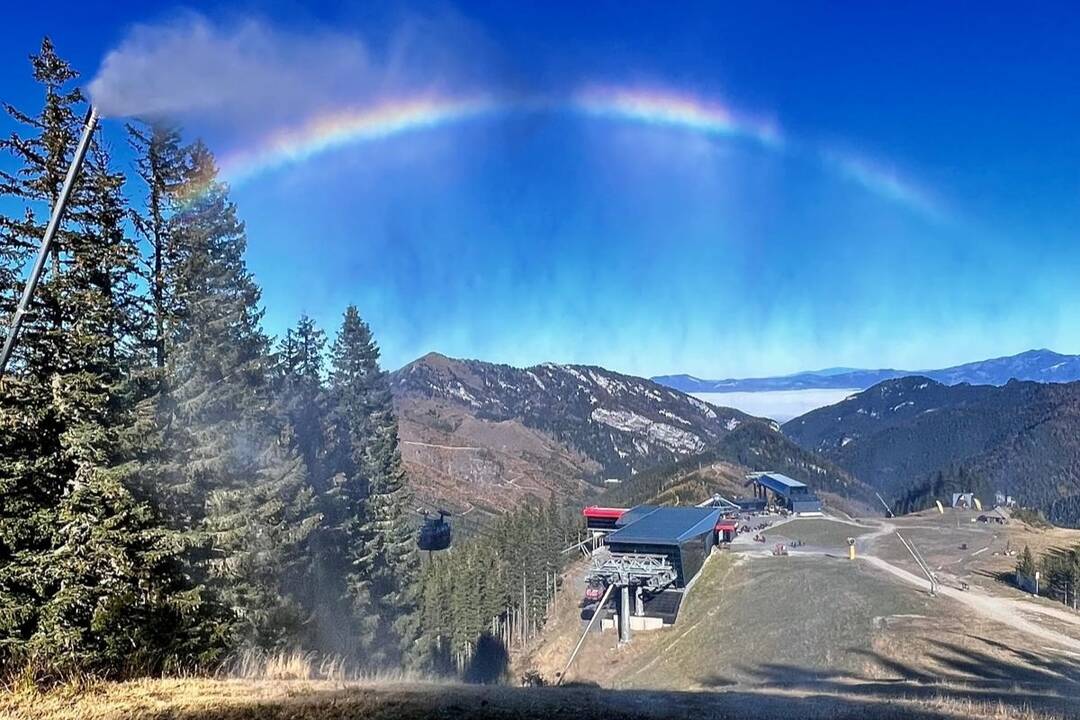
[(604, 513), (778, 482), (666, 525)]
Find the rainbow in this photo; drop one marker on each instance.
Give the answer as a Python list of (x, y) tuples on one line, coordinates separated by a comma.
[(392, 118), (882, 181), (649, 107), (349, 127), (671, 110)]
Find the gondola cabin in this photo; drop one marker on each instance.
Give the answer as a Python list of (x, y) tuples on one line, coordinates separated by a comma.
[(435, 533)]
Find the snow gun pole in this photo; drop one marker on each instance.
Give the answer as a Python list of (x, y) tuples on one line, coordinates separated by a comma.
[(599, 607), (89, 123)]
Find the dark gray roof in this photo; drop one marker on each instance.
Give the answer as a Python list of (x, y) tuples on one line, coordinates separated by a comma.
[(634, 514), (779, 482), (667, 525)]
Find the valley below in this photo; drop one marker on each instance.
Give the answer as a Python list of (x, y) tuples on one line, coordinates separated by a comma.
[(778, 405)]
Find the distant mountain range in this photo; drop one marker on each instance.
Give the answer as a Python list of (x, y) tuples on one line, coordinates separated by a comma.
[(1036, 365), (481, 435), (915, 440)]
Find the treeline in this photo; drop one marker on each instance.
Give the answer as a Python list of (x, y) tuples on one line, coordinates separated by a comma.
[(680, 479), (1034, 489), (494, 592), (1059, 572), (941, 485), (176, 487)]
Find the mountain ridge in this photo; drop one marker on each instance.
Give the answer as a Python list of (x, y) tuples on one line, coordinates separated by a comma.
[(915, 440), (489, 434), (1039, 365)]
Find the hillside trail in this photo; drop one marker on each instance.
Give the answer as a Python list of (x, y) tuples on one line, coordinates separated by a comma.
[(1005, 610)]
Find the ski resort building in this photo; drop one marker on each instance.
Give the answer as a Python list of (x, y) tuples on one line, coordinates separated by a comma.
[(602, 519), (652, 557), (726, 528), (683, 535), (785, 491)]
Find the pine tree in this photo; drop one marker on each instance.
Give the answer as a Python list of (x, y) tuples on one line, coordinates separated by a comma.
[(300, 388), (231, 464), (1025, 565), (85, 567), (384, 574), (160, 163), (301, 393)]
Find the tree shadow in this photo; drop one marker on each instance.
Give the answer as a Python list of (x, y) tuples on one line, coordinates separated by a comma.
[(490, 662), (986, 670), (484, 702)]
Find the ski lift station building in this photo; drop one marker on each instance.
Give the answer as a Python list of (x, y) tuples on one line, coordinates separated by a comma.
[(791, 493), (684, 535)]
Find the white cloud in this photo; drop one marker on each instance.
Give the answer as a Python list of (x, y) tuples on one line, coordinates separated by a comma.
[(249, 72)]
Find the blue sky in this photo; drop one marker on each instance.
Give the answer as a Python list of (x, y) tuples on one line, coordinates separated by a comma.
[(922, 210)]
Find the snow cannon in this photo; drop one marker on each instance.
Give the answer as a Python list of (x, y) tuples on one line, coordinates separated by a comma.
[(89, 124)]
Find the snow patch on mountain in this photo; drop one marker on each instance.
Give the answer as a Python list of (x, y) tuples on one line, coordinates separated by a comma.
[(703, 407), (669, 436)]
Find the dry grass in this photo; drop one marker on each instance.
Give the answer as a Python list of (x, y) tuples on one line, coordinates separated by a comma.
[(258, 666), (219, 699), (985, 710)]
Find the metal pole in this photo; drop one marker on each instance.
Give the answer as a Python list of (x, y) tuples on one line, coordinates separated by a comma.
[(596, 613), (624, 614), (90, 122)]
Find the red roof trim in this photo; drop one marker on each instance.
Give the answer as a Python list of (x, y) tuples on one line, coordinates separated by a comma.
[(603, 513), (726, 525)]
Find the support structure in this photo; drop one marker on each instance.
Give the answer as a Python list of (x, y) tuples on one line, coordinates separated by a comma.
[(719, 501), (640, 571), (917, 556), (47, 239), (624, 613), (651, 572)]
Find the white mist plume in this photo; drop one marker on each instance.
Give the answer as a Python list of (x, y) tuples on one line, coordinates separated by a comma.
[(251, 71)]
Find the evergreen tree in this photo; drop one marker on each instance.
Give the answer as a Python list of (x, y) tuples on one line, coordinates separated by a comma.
[(1025, 565), (302, 394), (302, 398), (231, 463), (85, 567), (377, 527), (34, 473), (160, 163)]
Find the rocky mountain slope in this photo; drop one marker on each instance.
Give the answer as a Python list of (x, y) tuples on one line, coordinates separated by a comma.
[(1035, 365), (477, 434), (915, 439)]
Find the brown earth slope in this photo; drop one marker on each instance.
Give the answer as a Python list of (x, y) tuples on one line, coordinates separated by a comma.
[(481, 436)]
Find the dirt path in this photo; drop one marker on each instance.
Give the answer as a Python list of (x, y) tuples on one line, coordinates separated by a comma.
[(1069, 616), (440, 447), (1008, 611), (1003, 610)]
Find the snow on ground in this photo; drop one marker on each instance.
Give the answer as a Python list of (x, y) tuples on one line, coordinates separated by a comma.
[(676, 418), (667, 435), (704, 407), (779, 405)]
